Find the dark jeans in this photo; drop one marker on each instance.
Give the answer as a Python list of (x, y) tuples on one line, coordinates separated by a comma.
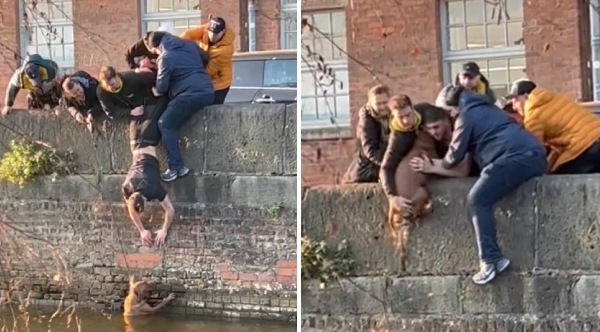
[(179, 110), (220, 96), (585, 163), (496, 181)]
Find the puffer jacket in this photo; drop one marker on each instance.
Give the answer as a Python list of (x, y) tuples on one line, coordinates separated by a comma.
[(560, 123), (219, 66)]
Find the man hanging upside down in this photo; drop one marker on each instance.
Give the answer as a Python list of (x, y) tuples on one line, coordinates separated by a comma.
[(143, 182)]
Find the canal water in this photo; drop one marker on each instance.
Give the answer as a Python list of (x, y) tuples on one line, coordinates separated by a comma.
[(96, 322)]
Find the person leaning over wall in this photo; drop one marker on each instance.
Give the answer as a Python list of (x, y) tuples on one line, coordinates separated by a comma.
[(508, 156), (372, 133), (569, 131), (80, 98), (127, 90), (404, 124), (216, 38), (181, 76), (41, 78), (471, 79), (437, 122)]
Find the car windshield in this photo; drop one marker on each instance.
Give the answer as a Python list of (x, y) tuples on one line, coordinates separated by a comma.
[(281, 72)]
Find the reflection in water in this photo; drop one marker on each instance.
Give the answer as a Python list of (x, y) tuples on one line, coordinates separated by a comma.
[(96, 322)]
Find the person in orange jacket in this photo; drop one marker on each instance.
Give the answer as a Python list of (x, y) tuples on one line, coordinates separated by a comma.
[(570, 132), (217, 40)]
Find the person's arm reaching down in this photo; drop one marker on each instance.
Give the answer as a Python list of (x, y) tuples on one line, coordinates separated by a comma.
[(399, 145), (106, 102), (459, 146), (163, 77), (145, 234), (169, 214), (12, 90)]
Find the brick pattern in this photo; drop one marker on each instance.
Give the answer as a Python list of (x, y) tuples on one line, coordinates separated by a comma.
[(413, 66), (220, 260), (550, 30), (325, 162), (120, 26), (268, 25)]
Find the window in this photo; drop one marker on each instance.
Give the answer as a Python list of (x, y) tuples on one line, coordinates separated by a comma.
[(471, 32), (265, 73), (595, 34), (281, 73), (54, 43), (289, 24), (325, 104), (180, 14)]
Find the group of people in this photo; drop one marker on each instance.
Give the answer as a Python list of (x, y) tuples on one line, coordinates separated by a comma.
[(176, 75), (537, 132)]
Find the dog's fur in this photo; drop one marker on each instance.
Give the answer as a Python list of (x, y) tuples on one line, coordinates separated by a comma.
[(411, 185), (135, 304)]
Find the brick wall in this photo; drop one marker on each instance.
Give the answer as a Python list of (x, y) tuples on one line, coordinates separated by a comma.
[(400, 44), (103, 29), (231, 249)]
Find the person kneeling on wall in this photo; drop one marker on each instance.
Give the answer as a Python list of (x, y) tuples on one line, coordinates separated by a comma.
[(143, 182)]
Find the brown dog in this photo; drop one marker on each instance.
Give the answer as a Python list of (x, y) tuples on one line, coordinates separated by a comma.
[(136, 305), (411, 184)]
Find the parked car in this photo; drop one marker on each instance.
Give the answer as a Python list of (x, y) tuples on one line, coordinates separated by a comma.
[(264, 77)]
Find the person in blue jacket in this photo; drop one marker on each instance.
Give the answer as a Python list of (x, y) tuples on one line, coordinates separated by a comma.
[(507, 155), (181, 76)]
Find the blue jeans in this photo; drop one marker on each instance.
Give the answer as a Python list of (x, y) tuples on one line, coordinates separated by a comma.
[(496, 181), (179, 110)]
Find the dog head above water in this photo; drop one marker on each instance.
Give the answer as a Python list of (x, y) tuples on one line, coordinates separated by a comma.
[(140, 289)]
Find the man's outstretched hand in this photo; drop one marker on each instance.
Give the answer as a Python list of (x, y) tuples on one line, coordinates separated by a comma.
[(161, 235), (146, 237)]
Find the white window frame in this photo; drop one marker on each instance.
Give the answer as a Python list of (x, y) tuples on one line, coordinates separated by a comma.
[(448, 56), (166, 16), (59, 23), (287, 9), (336, 65)]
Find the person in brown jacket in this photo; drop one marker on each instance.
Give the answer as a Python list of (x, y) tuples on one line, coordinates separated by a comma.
[(371, 137)]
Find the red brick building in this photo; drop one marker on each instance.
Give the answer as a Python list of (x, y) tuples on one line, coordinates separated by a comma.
[(92, 33), (416, 46)]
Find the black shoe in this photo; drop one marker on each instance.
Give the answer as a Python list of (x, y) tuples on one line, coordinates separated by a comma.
[(169, 176)]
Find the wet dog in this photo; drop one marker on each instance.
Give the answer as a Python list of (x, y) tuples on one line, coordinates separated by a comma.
[(411, 184), (135, 303)]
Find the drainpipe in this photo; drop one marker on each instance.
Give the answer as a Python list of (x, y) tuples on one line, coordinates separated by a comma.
[(252, 9)]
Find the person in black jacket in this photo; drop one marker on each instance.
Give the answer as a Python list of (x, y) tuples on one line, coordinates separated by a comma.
[(80, 98), (371, 137), (125, 95)]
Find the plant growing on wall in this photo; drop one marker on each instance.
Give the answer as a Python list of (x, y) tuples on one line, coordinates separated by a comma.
[(25, 161), (319, 261)]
